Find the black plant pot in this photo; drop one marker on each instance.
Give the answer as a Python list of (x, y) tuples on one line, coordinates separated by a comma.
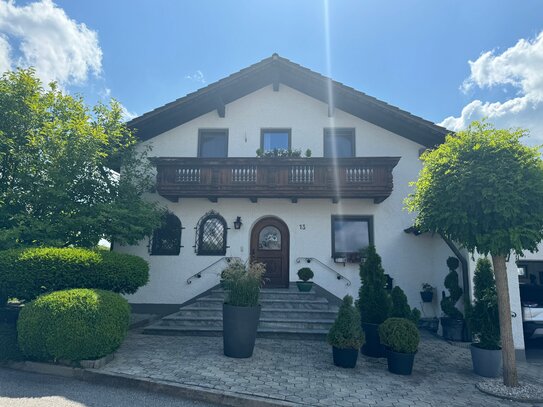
[(345, 357), (239, 330), (372, 347), (486, 362), (453, 329), (304, 286), (400, 363), (427, 296)]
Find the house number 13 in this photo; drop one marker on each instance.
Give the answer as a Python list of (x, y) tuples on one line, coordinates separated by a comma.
[(302, 226)]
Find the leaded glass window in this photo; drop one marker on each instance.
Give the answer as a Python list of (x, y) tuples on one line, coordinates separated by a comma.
[(211, 235), (269, 238)]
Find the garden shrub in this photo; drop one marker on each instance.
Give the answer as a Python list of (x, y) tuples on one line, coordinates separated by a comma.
[(448, 303), (27, 273), (400, 335), (242, 283), (400, 307), (73, 325), (346, 332), (374, 300), (8, 342), (483, 316), (305, 274)]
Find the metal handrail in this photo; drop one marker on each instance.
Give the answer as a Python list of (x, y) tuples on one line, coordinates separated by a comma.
[(339, 276), (199, 274)]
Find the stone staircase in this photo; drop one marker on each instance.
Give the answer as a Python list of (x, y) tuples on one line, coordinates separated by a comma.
[(286, 313)]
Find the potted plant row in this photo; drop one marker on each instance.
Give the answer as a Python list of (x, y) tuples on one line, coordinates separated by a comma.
[(241, 310), (346, 336), (484, 322)]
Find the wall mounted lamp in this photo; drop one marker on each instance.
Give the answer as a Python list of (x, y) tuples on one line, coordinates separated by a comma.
[(237, 223)]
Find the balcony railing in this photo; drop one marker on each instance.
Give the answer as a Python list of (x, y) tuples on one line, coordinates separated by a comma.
[(293, 178)]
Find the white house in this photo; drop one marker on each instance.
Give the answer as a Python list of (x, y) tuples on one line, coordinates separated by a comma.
[(364, 154)]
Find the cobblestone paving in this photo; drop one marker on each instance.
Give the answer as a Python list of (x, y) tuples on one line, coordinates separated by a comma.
[(302, 372)]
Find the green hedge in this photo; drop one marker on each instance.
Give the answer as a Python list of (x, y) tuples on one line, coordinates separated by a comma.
[(73, 325), (8, 342), (27, 273)]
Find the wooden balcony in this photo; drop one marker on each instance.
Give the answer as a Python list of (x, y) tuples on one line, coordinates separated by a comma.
[(292, 178)]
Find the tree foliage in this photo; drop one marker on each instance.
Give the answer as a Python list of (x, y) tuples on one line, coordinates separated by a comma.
[(57, 186), (484, 189)]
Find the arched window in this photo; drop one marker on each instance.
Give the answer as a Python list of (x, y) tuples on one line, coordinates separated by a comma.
[(211, 235), (166, 241)]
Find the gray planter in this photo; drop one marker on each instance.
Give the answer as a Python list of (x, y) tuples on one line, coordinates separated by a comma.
[(304, 286), (486, 363), (453, 329), (239, 330), (372, 347)]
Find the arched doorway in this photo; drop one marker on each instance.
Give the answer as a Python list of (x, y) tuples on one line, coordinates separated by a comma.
[(270, 242)]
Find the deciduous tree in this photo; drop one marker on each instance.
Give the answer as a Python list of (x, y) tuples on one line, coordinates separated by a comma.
[(57, 156), (483, 188)]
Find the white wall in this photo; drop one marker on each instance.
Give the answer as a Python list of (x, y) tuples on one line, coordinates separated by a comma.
[(410, 260)]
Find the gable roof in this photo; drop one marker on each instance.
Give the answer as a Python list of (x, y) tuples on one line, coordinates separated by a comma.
[(275, 70)]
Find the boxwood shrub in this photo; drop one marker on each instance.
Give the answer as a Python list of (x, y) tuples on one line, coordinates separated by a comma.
[(27, 273), (400, 335), (8, 342), (73, 325)]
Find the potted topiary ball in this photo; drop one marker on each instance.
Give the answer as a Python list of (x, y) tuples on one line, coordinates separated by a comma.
[(346, 336), (241, 310), (373, 302), (305, 274), (484, 322), (401, 339), (453, 321)]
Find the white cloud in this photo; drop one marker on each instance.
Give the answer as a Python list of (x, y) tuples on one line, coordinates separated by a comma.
[(520, 67), (127, 115), (197, 76), (5, 62), (58, 47)]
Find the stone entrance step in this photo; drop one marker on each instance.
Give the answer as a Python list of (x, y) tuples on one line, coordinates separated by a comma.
[(286, 313)]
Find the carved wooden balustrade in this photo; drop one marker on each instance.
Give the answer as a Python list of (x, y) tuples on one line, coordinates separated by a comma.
[(292, 178)]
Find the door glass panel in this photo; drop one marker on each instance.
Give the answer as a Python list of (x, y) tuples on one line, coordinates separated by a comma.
[(269, 238)]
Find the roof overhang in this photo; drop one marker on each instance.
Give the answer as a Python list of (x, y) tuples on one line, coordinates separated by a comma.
[(276, 70)]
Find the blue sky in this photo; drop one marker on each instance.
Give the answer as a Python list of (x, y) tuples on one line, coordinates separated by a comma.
[(412, 54)]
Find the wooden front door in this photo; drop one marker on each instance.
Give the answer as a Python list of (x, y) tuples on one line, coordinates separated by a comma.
[(270, 245)]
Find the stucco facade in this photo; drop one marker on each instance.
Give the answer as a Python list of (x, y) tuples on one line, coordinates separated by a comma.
[(410, 260)]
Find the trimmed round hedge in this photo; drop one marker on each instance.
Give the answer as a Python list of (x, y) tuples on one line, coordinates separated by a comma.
[(28, 273), (400, 335), (73, 325)]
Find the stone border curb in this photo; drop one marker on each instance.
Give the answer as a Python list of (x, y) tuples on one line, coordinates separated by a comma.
[(192, 392), (510, 398)]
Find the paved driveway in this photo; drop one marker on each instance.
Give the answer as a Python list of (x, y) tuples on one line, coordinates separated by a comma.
[(302, 372), (18, 389)]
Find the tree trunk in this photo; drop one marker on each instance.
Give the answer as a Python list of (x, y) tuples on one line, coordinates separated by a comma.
[(510, 377)]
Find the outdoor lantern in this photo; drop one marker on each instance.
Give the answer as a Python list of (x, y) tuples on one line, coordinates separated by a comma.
[(237, 223)]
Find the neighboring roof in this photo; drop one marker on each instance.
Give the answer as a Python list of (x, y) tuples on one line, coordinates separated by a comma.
[(275, 70)]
